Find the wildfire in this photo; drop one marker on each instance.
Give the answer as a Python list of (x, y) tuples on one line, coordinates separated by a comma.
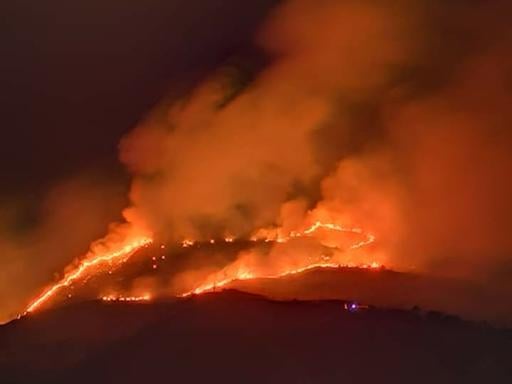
[(85, 266), (121, 253)]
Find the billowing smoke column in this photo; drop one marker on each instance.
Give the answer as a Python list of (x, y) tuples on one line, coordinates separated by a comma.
[(390, 116), (229, 158)]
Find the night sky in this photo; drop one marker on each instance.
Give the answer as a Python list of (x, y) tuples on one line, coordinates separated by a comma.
[(78, 75)]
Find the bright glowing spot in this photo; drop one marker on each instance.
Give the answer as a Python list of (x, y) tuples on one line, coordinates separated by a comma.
[(187, 243), (145, 297)]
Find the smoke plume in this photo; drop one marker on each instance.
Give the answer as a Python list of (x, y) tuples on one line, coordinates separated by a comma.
[(225, 159), (391, 116)]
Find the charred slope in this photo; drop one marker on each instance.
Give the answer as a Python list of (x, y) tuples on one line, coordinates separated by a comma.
[(232, 337)]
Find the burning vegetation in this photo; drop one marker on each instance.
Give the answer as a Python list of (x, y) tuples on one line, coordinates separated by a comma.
[(108, 258)]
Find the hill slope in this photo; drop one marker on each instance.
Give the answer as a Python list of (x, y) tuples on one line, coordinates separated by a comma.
[(232, 337)]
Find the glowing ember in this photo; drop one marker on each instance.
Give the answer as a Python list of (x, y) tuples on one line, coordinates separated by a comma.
[(146, 297), (187, 243), (87, 265)]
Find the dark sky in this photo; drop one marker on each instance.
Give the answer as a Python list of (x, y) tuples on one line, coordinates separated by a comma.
[(77, 75)]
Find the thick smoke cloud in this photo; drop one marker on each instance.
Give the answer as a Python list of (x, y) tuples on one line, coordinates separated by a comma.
[(388, 115), (456, 144), (226, 159)]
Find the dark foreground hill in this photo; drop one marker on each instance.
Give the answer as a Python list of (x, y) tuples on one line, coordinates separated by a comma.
[(390, 289), (233, 337)]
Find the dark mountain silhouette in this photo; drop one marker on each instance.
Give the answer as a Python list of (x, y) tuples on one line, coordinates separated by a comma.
[(234, 337)]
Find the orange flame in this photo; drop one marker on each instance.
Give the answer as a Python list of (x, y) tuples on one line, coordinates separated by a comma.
[(119, 255), (220, 279), (275, 235), (246, 275)]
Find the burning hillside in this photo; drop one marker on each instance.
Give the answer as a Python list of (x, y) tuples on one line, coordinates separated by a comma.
[(329, 252), (345, 146)]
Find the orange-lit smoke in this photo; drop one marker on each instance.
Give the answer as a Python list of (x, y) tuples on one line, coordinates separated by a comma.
[(240, 161), (225, 159), (353, 122)]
